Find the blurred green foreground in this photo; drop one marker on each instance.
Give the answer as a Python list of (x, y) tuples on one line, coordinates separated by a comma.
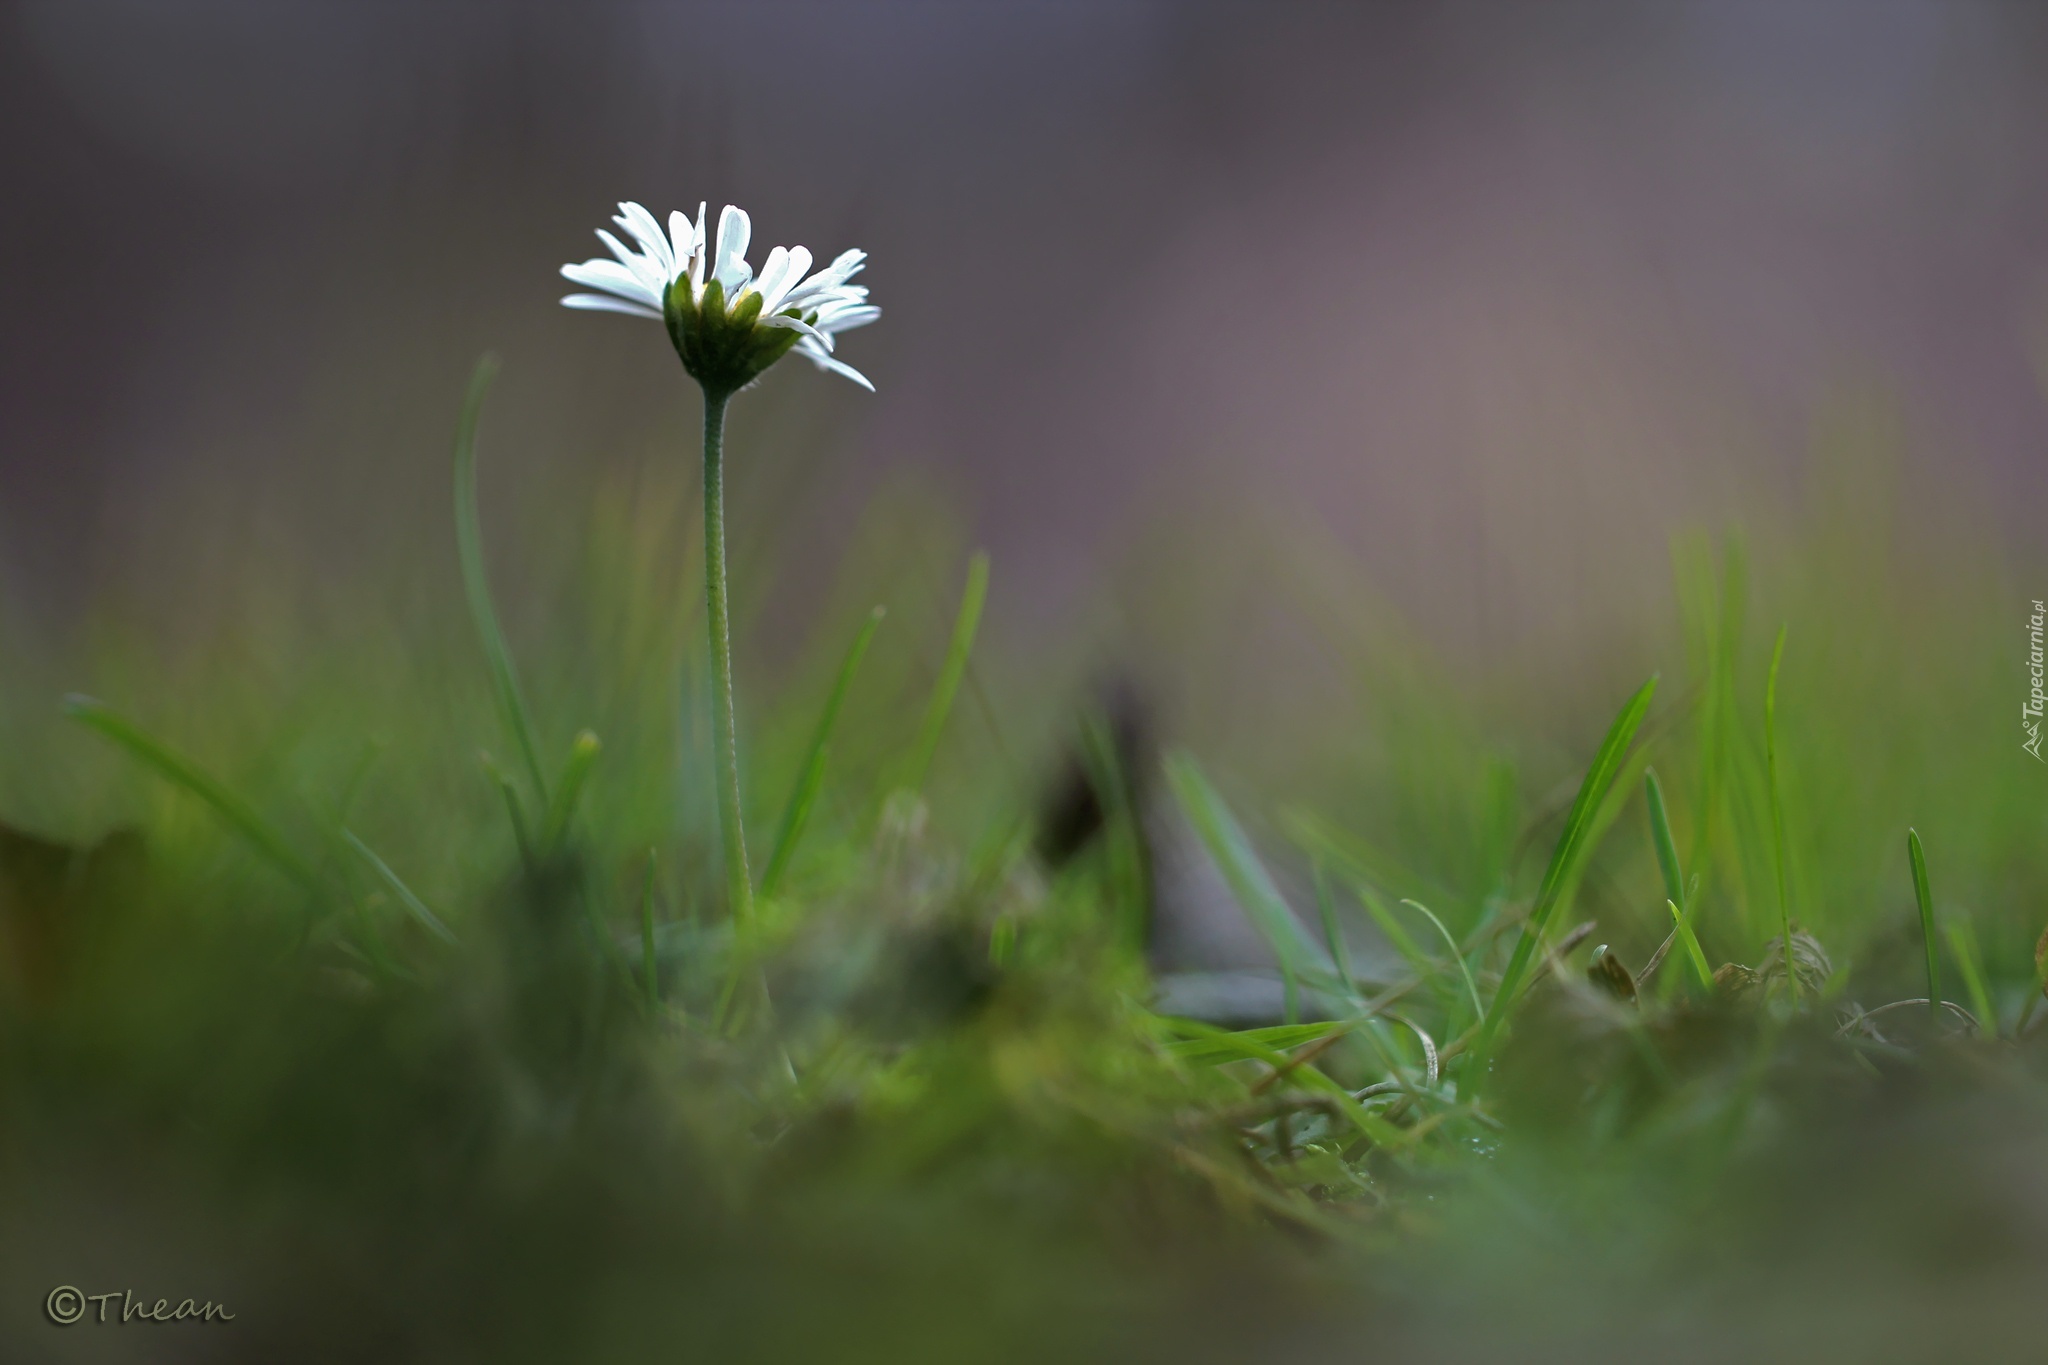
[(404, 1054)]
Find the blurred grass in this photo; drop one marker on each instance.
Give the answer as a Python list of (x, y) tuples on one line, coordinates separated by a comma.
[(317, 1028)]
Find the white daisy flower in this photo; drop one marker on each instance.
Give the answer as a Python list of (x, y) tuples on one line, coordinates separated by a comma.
[(727, 323)]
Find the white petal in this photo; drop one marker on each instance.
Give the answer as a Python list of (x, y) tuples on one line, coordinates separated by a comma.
[(703, 250), (605, 303), (832, 306), (613, 278), (648, 233), (833, 275), (826, 362), (734, 274), (729, 261), (772, 271), (682, 238), (858, 316), (647, 271), (822, 286), (789, 323), (795, 263), (618, 248)]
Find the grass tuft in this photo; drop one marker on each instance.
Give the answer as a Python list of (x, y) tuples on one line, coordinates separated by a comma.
[(1565, 860)]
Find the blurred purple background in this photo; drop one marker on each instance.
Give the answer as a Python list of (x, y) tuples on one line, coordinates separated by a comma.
[(1498, 293)]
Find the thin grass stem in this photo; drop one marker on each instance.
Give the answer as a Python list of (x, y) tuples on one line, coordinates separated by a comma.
[(476, 584), (1682, 925), (414, 906), (796, 813), (1962, 944), (515, 812), (181, 771), (965, 625), (1333, 935), (1917, 857), (575, 775), (1471, 986)]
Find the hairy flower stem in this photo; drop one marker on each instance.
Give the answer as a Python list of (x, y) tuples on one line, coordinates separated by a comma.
[(739, 884)]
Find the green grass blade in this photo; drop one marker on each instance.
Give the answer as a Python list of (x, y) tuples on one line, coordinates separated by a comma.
[(414, 906), (1300, 955), (181, 771), (1722, 609), (575, 774), (1778, 810), (1128, 864), (1471, 986), (1207, 1045), (1660, 835), (1918, 858), (1676, 893), (811, 777), (1251, 1045), (1962, 943), (476, 585), (514, 810), (1682, 921), (1572, 846), (964, 627)]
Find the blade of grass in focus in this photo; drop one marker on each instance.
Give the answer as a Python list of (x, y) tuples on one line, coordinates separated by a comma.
[(1673, 872), (1397, 934), (1471, 986), (796, 813), (1564, 862), (1250, 1045), (182, 771), (476, 582), (1681, 924), (1205, 1048)]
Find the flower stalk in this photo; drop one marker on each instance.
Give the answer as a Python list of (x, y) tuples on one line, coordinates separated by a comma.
[(739, 881)]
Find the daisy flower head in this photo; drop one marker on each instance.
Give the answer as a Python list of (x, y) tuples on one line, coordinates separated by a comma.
[(728, 323)]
